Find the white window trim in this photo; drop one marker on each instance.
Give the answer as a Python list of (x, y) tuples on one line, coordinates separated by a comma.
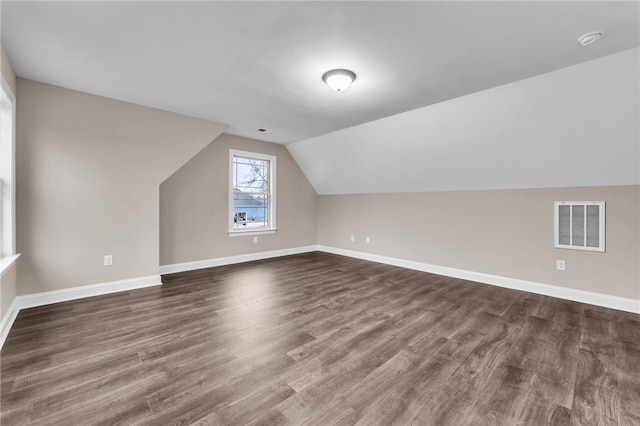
[(8, 254), (7, 262), (272, 191), (601, 230)]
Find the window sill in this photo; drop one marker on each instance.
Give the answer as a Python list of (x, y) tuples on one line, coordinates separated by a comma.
[(7, 262), (251, 232)]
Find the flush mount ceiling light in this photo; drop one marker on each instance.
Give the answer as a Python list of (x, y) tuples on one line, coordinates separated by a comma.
[(339, 80), (588, 38)]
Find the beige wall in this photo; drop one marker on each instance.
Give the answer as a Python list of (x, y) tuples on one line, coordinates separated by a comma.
[(7, 69), (88, 176), (194, 206), (501, 232)]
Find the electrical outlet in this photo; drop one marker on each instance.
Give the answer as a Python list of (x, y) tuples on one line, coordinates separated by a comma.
[(353, 238), (255, 240), (560, 265), (367, 240), (108, 260)]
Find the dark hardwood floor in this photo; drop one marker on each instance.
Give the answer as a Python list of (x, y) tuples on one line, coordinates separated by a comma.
[(321, 339)]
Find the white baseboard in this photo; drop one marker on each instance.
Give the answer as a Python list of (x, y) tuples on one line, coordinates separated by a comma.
[(55, 296), (598, 299), (229, 260)]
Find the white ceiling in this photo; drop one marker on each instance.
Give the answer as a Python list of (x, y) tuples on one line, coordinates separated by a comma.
[(259, 64)]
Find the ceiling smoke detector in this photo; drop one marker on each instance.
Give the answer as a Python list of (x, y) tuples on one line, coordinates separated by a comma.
[(588, 38)]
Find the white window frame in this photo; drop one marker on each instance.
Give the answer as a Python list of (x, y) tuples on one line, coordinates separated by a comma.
[(272, 194), (8, 254), (601, 227)]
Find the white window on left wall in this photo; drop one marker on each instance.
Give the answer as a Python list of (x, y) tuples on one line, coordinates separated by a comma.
[(7, 177), (252, 197)]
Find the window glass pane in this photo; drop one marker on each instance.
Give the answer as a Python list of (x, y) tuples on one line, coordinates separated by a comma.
[(564, 224), (593, 226), (577, 228), (251, 175), (250, 210)]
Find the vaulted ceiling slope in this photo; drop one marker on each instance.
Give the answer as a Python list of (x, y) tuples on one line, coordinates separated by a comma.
[(259, 64), (578, 126)]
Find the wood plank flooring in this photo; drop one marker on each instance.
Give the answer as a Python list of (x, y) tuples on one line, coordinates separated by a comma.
[(320, 339)]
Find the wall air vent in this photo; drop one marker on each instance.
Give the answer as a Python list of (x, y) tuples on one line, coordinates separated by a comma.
[(579, 225)]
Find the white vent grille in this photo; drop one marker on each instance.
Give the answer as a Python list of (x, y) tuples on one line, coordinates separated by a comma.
[(579, 225)]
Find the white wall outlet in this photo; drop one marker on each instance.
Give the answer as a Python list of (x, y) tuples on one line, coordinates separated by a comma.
[(367, 239), (108, 260), (353, 238), (255, 240), (560, 265)]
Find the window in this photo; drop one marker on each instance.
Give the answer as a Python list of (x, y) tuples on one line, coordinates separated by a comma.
[(7, 177), (252, 203), (579, 225)]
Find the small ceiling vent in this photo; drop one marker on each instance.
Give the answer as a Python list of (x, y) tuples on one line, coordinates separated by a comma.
[(588, 38)]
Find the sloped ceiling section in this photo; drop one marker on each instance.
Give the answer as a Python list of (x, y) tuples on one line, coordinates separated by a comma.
[(578, 126)]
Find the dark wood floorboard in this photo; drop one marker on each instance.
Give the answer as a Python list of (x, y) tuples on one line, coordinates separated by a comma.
[(320, 339)]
